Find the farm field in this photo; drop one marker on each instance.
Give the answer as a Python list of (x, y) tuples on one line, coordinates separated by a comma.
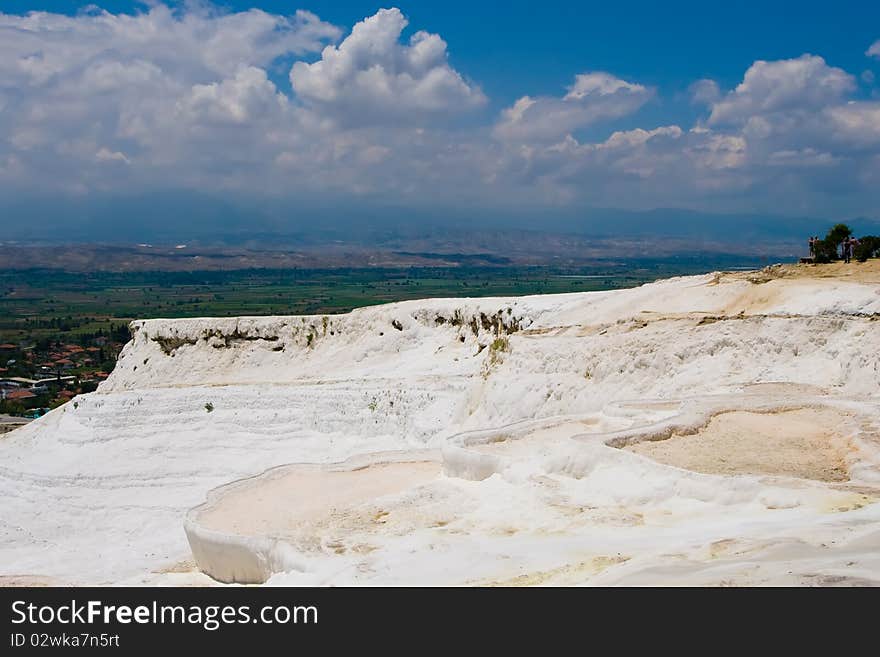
[(49, 304)]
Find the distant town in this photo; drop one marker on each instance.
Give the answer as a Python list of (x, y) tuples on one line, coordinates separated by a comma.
[(37, 377)]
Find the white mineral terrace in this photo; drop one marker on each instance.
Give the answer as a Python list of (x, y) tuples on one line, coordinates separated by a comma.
[(716, 429)]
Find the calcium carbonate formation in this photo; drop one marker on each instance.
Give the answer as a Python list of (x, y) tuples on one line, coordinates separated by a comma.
[(698, 430)]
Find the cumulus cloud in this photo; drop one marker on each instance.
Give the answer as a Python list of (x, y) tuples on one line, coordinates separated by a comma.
[(245, 97), (186, 99), (784, 85), (715, 151), (667, 165), (705, 92), (592, 97), (874, 50), (857, 123), (162, 90), (789, 132), (805, 157), (197, 42), (105, 155), (639, 137), (371, 77)]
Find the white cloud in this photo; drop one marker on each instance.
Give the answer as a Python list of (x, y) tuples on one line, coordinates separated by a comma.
[(638, 136), (666, 164), (592, 97), (857, 123), (716, 151), (784, 85), (245, 97), (705, 92), (805, 157), (874, 50), (371, 77), (789, 133), (185, 99), (198, 42), (176, 94), (591, 86), (106, 155)]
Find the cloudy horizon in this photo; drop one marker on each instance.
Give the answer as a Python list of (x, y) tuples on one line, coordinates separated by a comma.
[(245, 104)]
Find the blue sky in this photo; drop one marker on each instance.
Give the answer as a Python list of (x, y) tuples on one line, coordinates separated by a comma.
[(550, 106), (529, 47)]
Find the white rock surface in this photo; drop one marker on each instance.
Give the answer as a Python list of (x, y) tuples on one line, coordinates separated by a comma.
[(97, 491)]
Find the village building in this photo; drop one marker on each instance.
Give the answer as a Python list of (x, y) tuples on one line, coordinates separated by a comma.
[(16, 395)]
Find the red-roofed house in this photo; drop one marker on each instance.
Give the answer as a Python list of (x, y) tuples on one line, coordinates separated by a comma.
[(18, 395)]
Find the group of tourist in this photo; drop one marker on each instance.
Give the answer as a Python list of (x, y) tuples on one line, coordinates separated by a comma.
[(845, 249)]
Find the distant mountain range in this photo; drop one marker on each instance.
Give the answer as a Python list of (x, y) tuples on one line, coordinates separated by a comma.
[(169, 219)]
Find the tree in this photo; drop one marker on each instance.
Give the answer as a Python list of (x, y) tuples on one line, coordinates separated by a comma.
[(11, 407), (826, 250), (868, 247), (838, 233)]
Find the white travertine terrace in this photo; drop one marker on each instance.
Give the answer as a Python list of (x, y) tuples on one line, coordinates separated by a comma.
[(474, 441)]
